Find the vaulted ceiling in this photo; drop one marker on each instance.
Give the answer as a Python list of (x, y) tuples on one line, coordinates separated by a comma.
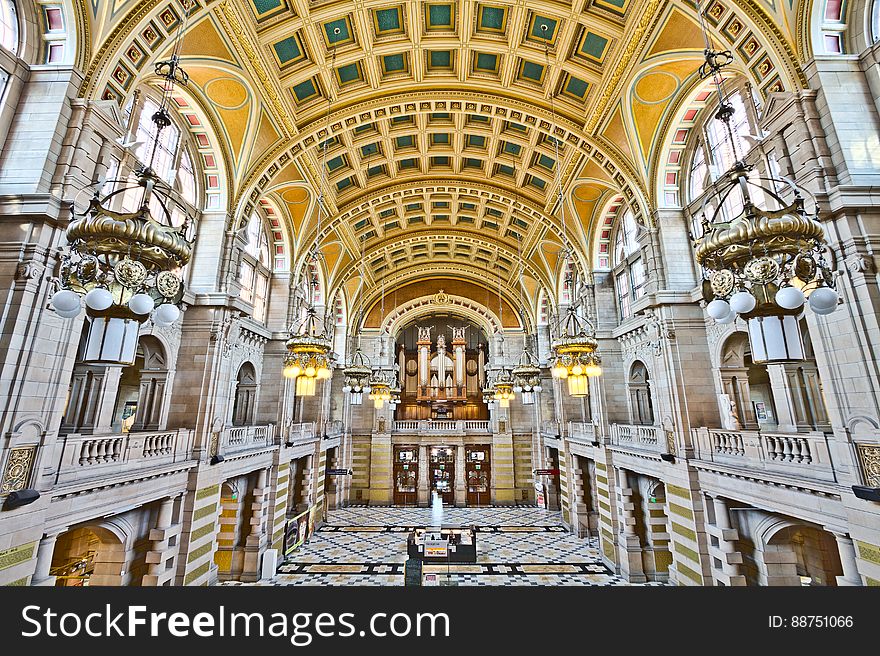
[(437, 130)]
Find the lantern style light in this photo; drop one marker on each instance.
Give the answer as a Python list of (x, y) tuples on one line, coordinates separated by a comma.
[(575, 357), (125, 264), (527, 377), (767, 262), (502, 388), (357, 377), (308, 354), (380, 389)]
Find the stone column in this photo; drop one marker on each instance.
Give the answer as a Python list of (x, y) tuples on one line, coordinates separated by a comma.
[(159, 549), (308, 482), (848, 561), (730, 558), (256, 541), (460, 480), (735, 381), (580, 520), (629, 546), (786, 397), (45, 551), (423, 493)]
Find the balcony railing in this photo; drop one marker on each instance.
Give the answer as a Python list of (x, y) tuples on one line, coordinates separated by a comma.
[(86, 457), (635, 436), (804, 455), (460, 426), (238, 439), (580, 431)]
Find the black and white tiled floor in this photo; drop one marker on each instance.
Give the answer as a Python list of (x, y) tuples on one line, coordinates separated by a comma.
[(515, 546)]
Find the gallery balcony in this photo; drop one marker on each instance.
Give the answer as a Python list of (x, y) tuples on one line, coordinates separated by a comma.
[(441, 427), (239, 440), (640, 438), (802, 456), (86, 459)]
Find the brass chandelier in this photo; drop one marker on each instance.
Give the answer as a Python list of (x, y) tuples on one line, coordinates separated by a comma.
[(381, 384), (767, 262), (308, 354), (127, 265), (527, 377), (575, 357), (357, 377), (502, 388)]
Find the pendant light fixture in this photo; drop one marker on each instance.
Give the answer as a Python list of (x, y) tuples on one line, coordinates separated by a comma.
[(765, 263), (358, 372), (574, 345), (527, 373), (126, 266), (309, 346), (502, 383)]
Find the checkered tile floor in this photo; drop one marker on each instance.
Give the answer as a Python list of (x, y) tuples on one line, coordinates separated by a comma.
[(515, 546)]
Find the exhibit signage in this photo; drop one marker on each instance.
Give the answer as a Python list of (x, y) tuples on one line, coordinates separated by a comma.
[(436, 548)]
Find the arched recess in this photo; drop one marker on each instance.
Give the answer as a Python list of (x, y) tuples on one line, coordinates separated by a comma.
[(464, 308), (641, 406), (244, 405), (92, 554), (802, 553)]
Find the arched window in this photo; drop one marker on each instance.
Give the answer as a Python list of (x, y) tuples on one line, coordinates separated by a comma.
[(640, 405), (698, 174), (629, 268), (315, 282), (568, 279), (166, 149), (8, 26), (543, 309), (254, 272), (875, 22), (186, 178)]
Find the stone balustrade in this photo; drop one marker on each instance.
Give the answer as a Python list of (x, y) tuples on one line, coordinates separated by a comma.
[(581, 431), (638, 437), (301, 433), (117, 456), (239, 439), (446, 426), (803, 455)]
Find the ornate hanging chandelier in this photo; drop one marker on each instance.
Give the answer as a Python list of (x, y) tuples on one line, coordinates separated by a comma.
[(527, 377), (357, 377), (766, 262), (575, 356), (308, 354), (127, 265), (309, 346), (502, 388), (380, 389)]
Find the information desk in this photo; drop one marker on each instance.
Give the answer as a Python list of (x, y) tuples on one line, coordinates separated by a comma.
[(453, 545)]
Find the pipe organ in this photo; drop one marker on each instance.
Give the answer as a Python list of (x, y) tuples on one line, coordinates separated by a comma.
[(440, 379)]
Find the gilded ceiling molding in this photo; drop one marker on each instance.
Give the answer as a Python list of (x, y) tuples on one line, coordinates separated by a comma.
[(651, 13), (427, 305), (84, 34), (468, 272), (802, 30), (456, 101), (433, 186), (778, 41), (101, 64), (474, 239), (232, 25)]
